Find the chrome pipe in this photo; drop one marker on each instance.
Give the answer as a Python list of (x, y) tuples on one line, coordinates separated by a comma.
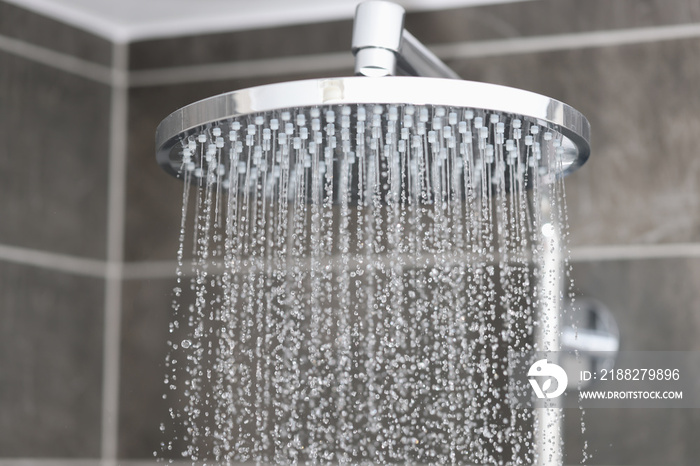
[(376, 37), (415, 59), (382, 47)]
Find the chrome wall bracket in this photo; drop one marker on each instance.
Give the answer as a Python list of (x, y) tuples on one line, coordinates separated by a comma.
[(590, 340), (382, 47)]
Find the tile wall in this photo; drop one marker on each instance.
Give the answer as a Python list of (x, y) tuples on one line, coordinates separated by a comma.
[(83, 312), (54, 144)]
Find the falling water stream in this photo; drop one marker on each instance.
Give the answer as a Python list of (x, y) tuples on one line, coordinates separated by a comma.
[(358, 284)]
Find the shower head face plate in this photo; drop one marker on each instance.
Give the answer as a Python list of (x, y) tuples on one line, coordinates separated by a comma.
[(317, 125)]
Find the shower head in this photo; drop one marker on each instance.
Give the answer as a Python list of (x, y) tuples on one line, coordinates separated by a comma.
[(319, 124), (299, 113)]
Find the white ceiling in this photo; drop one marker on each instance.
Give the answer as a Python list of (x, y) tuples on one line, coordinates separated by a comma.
[(129, 20)]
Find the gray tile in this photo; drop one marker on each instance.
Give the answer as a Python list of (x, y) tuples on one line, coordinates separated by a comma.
[(154, 199), (145, 317), (691, 435), (28, 26), (655, 303), (625, 436), (51, 360), (242, 45), (53, 159), (641, 183)]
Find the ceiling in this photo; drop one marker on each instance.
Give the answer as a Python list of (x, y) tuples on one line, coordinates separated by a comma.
[(130, 20)]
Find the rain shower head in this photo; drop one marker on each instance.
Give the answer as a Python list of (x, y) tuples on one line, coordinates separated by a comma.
[(318, 124)]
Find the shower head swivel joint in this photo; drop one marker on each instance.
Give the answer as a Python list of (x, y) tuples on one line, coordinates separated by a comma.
[(382, 47)]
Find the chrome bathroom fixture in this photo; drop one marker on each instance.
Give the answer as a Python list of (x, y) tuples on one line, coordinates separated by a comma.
[(381, 45), (382, 48), (590, 339)]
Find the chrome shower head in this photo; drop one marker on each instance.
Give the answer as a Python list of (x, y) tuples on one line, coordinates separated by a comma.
[(423, 121), (345, 117)]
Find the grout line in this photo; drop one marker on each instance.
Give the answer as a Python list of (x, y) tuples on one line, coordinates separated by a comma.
[(49, 260), (84, 462), (151, 269), (634, 252), (51, 462), (242, 69), (61, 61), (167, 269), (521, 45), (116, 208), (97, 462)]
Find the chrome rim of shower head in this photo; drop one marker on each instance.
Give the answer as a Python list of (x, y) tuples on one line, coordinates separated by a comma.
[(192, 119)]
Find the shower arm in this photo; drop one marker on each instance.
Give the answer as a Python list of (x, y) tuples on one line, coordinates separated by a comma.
[(382, 47)]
